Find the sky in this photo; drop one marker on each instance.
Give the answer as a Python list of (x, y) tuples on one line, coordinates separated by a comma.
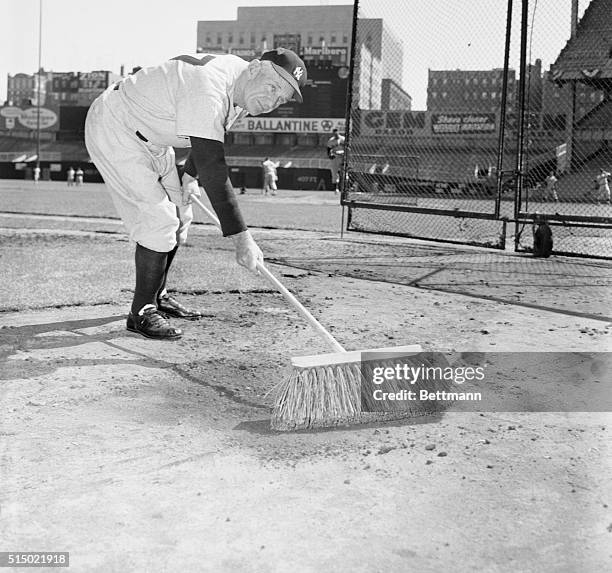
[(85, 35)]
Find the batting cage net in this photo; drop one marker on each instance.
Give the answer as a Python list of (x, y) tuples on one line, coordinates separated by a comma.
[(476, 124)]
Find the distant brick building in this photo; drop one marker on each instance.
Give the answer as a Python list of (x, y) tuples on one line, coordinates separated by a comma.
[(468, 90), (393, 97)]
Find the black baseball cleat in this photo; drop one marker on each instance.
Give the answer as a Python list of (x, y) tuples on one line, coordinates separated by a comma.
[(169, 306), (152, 325)]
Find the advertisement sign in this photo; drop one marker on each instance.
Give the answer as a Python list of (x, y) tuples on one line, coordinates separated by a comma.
[(462, 123), (393, 123), (246, 53), (10, 111), (335, 53), (93, 80), (289, 125), (29, 118), (65, 82)]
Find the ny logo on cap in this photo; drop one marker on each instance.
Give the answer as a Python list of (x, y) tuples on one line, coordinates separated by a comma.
[(298, 72)]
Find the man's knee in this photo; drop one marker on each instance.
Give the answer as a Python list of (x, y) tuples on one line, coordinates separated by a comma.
[(157, 227)]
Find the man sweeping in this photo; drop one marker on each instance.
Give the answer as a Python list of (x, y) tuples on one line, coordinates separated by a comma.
[(130, 133)]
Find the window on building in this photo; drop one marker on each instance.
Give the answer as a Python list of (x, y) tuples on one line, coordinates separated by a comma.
[(484, 95), (444, 81), (241, 40), (219, 40), (309, 40), (434, 95), (444, 94), (493, 81), (475, 81), (321, 38), (252, 39), (345, 39), (467, 81), (484, 81), (208, 41), (493, 95), (434, 81), (230, 38)]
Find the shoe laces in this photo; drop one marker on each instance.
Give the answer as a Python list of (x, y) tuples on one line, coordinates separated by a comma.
[(155, 318)]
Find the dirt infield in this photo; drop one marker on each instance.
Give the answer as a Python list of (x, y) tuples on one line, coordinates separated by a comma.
[(139, 455)]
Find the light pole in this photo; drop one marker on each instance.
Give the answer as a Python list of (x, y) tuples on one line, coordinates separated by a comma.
[(38, 84)]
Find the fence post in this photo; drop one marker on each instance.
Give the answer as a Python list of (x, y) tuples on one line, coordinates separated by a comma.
[(520, 138), (502, 115)]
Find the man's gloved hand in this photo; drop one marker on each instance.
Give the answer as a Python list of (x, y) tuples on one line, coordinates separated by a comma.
[(189, 187), (248, 254)]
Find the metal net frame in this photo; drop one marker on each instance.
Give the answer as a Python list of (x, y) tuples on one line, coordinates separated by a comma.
[(459, 130)]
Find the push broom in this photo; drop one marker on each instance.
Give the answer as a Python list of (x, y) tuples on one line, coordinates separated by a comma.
[(337, 388)]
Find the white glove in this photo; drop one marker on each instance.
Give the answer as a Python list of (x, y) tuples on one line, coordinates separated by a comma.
[(248, 254), (189, 187)]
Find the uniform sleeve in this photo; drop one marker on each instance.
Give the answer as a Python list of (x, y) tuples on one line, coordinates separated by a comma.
[(208, 157)]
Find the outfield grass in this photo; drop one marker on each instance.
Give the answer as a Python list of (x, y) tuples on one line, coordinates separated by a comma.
[(307, 210)]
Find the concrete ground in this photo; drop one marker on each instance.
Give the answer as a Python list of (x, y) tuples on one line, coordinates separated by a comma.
[(139, 455)]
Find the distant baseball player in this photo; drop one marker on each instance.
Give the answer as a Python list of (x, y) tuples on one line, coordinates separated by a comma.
[(70, 177), (270, 176), (335, 151), (603, 186), (130, 132), (551, 187)]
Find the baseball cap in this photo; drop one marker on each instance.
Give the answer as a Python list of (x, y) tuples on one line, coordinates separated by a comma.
[(290, 67)]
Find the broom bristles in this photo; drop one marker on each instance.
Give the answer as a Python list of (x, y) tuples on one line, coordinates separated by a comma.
[(331, 395)]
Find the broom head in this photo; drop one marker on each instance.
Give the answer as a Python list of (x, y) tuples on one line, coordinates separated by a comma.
[(339, 389)]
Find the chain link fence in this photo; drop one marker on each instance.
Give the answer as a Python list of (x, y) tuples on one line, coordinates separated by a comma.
[(568, 127), (462, 126)]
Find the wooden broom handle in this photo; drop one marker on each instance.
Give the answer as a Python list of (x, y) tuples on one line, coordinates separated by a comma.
[(295, 303)]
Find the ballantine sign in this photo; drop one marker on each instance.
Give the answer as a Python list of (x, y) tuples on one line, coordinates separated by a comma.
[(289, 125)]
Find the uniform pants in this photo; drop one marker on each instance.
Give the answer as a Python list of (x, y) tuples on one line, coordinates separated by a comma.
[(141, 177)]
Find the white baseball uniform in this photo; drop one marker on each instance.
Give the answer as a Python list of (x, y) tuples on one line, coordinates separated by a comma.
[(603, 186), (131, 130), (270, 177), (335, 146)]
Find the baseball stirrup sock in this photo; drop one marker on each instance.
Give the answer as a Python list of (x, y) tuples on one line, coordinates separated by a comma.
[(170, 258), (150, 271)]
